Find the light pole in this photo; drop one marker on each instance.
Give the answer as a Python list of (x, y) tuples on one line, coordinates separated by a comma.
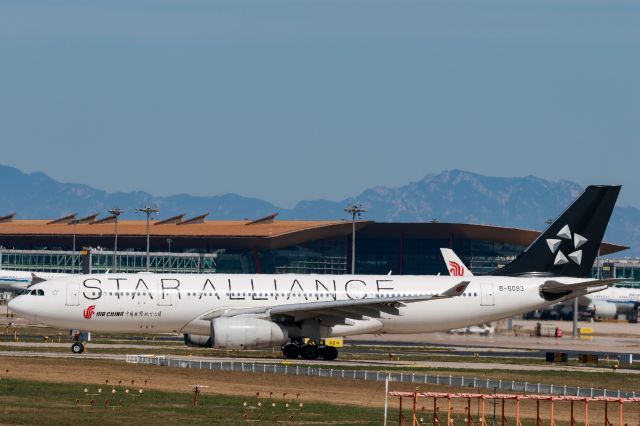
[(354, 211), (74, 222), (148, 211), (169, 240), (116, 212)]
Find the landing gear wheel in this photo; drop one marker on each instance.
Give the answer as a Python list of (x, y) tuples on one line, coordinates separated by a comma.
[(77, 348), (309, 352), (291, 351), (329, 353)]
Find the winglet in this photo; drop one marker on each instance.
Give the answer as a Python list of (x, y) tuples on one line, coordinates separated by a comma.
[(454, 291)]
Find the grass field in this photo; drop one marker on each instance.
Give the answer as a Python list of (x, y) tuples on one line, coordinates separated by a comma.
[(33, 402)]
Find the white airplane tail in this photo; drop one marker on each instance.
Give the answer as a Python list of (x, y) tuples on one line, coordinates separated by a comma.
[(454, 264)]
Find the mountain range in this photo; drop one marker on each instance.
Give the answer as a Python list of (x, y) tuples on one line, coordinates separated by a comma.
[(450, 196)]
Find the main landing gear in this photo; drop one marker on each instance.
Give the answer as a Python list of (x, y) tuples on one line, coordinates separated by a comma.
[(297, 349)]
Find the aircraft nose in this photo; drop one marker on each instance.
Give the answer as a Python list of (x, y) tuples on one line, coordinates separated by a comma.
[(14, 305), (18, 305)]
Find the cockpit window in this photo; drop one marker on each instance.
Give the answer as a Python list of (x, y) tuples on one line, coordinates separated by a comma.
[(40, 292)]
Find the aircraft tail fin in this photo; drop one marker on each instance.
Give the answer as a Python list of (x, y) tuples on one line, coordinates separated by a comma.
[(455, 266), (570, 244)]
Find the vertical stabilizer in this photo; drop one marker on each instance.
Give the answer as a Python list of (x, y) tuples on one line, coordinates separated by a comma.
[(455, 266), (570, 244)]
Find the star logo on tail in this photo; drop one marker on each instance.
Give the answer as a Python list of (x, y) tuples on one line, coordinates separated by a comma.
[(565, 234)]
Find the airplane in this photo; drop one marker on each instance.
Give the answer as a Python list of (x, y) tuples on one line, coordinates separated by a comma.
[(248, 311), (610, 302), (20, 280)]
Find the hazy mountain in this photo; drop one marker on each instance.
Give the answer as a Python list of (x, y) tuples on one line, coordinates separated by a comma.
[(457, 196), (37, 196), (451, 196)]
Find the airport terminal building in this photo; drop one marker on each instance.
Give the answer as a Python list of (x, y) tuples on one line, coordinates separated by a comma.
[(265, 245)]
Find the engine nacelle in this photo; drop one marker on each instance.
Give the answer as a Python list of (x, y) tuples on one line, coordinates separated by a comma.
[(605, 309), (197, 341), (246, 333)]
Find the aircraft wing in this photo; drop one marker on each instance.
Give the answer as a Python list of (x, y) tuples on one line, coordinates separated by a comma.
[(338, 311), (556, 287)]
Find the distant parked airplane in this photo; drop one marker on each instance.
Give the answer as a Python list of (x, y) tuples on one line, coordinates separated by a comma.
[(20, 280)]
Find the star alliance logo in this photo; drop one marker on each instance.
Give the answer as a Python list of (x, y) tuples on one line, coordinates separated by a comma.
[(565, 234)]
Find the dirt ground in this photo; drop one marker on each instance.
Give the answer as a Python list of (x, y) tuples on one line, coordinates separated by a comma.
[(316, 389)]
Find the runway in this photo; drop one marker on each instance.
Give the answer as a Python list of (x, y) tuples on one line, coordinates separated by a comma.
[(612, 338), (374, 364)]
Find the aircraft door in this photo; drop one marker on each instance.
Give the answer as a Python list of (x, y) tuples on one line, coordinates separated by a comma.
[(73, 294), (486, 294)]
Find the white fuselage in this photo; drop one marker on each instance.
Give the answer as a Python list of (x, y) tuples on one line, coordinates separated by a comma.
[(154, 303), (625, 299)]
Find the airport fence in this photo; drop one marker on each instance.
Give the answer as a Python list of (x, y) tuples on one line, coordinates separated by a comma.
[(495, 385)]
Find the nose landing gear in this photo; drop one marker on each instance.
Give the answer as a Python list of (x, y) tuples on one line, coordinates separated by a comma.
[(77, 347)]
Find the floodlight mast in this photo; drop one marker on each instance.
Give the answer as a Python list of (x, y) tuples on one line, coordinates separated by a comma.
[(116, 212), (148, 211), (355, 211), (74, 222)]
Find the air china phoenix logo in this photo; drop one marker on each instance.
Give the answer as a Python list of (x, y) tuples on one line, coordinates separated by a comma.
[(88, 313), (565, 234), (456, 270)]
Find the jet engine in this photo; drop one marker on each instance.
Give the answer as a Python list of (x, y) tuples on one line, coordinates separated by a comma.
[(240, 333), (605, 309), (197, 341), (246, 333)]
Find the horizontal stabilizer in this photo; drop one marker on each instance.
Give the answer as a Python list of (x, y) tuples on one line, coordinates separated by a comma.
[(36, 279), (552, 286), (456, 290)]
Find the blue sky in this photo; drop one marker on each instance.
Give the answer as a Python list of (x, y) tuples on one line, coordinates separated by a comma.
[(291, 100)]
